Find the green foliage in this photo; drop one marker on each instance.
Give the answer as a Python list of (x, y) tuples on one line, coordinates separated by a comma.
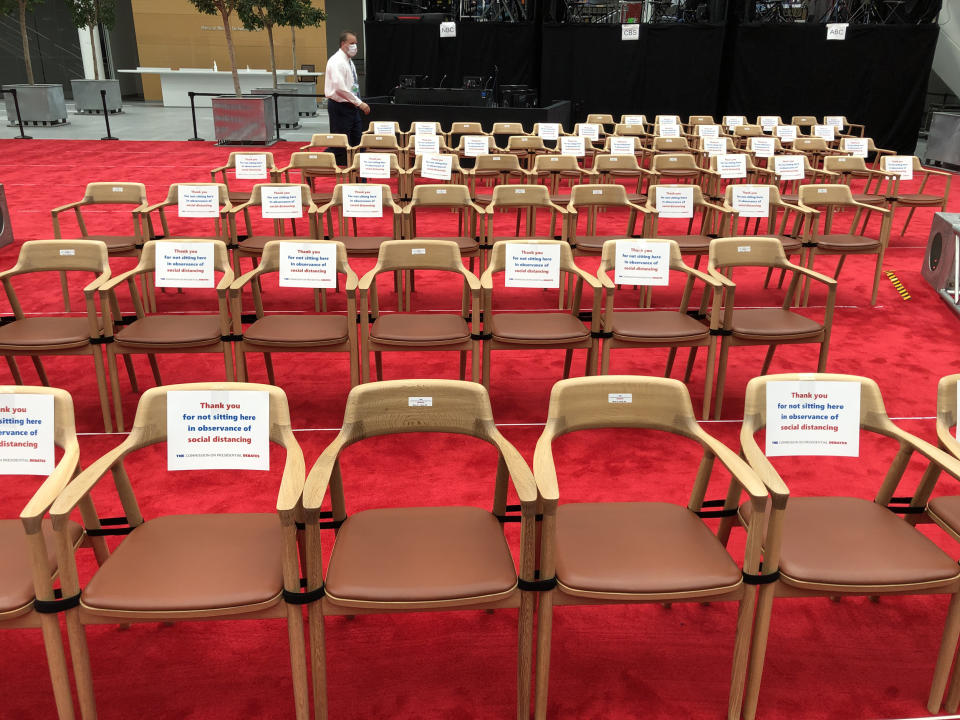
[(86, 13), (260, 14), (9, 7), (215, 7)]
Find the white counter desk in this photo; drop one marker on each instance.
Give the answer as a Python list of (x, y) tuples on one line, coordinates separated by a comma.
[(175, 84)]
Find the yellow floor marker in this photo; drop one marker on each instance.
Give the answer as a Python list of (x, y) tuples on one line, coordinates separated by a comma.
[(898, 285)]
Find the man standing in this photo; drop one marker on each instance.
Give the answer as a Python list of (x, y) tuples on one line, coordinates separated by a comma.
[(341, 87)]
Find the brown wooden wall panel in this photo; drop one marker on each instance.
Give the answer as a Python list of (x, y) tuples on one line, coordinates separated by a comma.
[(172, 33)]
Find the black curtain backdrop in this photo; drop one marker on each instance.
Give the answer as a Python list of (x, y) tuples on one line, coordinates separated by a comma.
[(670, 69), (416, 48), (877, 76)]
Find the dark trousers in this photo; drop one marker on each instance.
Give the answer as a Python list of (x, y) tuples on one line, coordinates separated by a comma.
[(345, 119)]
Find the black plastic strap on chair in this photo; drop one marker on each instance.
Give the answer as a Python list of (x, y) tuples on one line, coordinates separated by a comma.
[(902, 506), (751, 579), (231, 338), (7, 319), (61, 604), (481, 336), (601, 334), (329, 525), (101, 340), (808, 244), (113, 527), (507, 517), (537, 585), (696, 314), (723, 332), (723, 512), (303, 598)]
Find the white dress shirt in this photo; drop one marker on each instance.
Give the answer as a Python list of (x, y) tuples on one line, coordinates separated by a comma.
[(340, 79)]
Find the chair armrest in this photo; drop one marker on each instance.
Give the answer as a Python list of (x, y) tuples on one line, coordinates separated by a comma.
[(68, 206), (219, 169), (291, 483), (118, 279), (239, 282), (825, 279), (85, 481), (156, 206), (32, 514), (318, 479)]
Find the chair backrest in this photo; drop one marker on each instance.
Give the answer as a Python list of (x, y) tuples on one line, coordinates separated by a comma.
[(394, 163), (466, 128), (670, 144), (62, 255), (674, 161), (701, 120), (454, 163), (520, 196), (491, 143), (221, 260), (628, 130), (555, 163), (917, 166), (372, 125), (606, 163), (379, 142), (508, 128), (440, 196), (804, 120), (223, 194), (947, 413), (418, 255), (496, 163), (774, 191), (609, 195), (810, 144), (313, 161), (413, 126), (747, 130), (698, 200), (608, 257), (115, 193), (271, 167), (525, 142), (334, 140), (600, 119), (498, 255), (752, 251), (386, 196), (270, 258), (306, 197), (825, 194), (844, 164)]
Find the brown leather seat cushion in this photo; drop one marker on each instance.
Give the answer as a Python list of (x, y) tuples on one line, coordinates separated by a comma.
[(669, 172), (466, 244), (870, 199), (419, 555), (537, 328), (364, 245), (16, 574), (947, 509), (186, 330), (306, 330), (639, 548), (773, 324), (115, 243), (854, 542), (658, 326), (420, 329), (698, 244), (790, 244), (920, 199), (592, 243), (253, 245), (34, 331), (191, 562), (846, 242), (238, 196)]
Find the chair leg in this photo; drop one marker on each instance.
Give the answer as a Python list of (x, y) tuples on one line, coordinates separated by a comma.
[(525, 653), (758, 650), (486, 365), (131, 373), (41, 373), (948, 645), (57, 665), (909, 216), (475, 363), (741, 653), (14, 370), (708, 382), (768, 359), (691, 359), (605, 358), (155, 368), (378, 362), (241, 366), (298, 662), (268, 361), (65, 290), (82, 677), (721, 378), (876, 281), (115, 387), (567, 361), (102, 390), (836, 273), (318, 661), (463, 364), (766, 280), (542, 676), (228, 361)]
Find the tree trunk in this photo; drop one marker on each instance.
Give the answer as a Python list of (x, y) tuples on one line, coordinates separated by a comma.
[(225, 14), (93, 52), (273, 55), (26, 43), (293, 51)]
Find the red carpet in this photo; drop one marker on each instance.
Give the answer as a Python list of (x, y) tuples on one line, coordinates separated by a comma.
[(852, 659)]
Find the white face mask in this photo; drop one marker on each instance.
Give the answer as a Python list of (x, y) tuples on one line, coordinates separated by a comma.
[(351, 49)]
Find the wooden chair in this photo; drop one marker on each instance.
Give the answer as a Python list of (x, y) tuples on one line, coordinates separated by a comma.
[(604, 119), (625, 170), (919, 198), (311, 166), (716, 186), (428, 199), (872, 149), (277, 332), (527, 148), (188, 567), (365, 245), (251, 245), (501, 131), (410, 558), (397, 174), (29, 564), (379, 143), (490, 171), (37, 337), (164, 333), (560, 173), (805, 122), (457, 174), (825, 241), (331, 141), (848, 127), (600, 553), (742, 134), (790, 189), (588, 201), (678, 167), (764, 325), (638, 121), (810, 539), (461, 150), (816, 149), (850, 168), (221, 226), (406, 330), (459, 129), (558, 330), (409, 151), (662, 328), (671, 145), (526, 200), (238, 196), (107, 194), (699, 233)]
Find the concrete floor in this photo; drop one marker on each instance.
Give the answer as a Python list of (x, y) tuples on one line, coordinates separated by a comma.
[(148, 121)]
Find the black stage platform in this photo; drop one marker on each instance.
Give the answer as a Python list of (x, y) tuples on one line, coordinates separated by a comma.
[(383, 110)]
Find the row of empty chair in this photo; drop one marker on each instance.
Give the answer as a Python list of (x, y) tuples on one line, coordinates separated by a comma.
[(635, 549)]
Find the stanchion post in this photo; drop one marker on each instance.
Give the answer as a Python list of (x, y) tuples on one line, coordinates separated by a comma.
[(193, 114), (106, 115), (276, 113), (16, 105)]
